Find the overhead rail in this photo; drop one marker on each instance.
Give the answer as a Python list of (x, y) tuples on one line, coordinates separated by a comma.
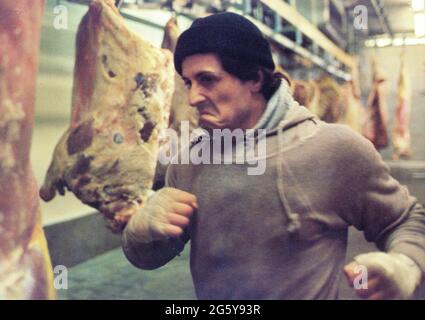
[(334, 56), (291, 15), (378, 6), (297, 48)]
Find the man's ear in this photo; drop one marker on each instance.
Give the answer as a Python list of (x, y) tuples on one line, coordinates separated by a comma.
[(257, 84)]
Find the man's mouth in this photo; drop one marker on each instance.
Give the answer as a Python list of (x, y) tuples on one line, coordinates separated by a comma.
[(205, 118), (204, 110)]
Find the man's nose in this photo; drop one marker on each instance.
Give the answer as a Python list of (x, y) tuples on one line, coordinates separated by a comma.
[(195, 96)]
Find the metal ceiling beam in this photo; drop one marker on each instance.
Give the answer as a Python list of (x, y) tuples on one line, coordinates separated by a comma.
[(291, 15), (378, 6), (303, 52)]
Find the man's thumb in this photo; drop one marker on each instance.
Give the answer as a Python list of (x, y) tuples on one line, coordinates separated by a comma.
[(350, 272)]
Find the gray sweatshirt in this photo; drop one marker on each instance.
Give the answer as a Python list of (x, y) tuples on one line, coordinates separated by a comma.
[(283, 234)]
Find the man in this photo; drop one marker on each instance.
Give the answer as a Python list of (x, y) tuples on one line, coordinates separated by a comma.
[(282, 234)]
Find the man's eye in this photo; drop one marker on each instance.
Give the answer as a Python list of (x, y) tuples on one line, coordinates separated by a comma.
[(206, 80)]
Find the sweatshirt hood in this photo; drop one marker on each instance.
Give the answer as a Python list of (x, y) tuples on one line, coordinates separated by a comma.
[(282, 107)]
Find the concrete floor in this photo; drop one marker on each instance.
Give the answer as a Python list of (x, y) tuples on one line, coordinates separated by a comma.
[(110, 276)]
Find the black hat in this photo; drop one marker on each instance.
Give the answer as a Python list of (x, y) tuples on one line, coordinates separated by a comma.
[(227, 34)]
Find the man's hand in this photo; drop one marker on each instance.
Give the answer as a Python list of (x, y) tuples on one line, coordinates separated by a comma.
[(165, 214), (389, 275)]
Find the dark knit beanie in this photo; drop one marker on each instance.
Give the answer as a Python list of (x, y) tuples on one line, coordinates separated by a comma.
[(227, 34)]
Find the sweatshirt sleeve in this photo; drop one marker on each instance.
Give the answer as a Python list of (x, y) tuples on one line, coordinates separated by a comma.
[(378, 204), (155, 254), (151, 255)]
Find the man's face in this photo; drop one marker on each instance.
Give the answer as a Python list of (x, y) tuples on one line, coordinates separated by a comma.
[(223, 101)]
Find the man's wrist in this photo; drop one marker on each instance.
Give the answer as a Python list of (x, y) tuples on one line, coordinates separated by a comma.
[(410, 264), (137, 230)]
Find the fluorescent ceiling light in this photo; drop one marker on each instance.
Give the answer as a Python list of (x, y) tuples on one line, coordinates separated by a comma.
[(384, 42), (370, 43), (396, 42), (414, 41)]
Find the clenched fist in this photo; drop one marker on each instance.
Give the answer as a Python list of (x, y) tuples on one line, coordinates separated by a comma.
[(389, 275), (165, 214)]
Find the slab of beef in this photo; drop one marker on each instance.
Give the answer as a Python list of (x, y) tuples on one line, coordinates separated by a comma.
[(331, 106), (180, 108), (121, 99), (180, 111), (401, 132), (25, 268), (354, 111), (375, 127), (302, 92), (307, 94)]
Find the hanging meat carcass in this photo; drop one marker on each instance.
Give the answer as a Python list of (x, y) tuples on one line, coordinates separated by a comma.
[(25, 267), (401, 133), (375, 127), (330, 106), (302, 92), (181, 112), (180, 108), (307, 94), (121, 98), (354, 112)]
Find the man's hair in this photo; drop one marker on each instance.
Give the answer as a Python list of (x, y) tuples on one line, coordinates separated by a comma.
[(246, 71)]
